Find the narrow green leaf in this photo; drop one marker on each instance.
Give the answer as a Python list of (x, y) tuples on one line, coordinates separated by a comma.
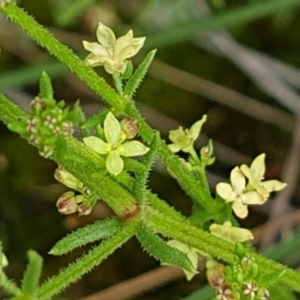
[(95, 120), (158, 248), (87, 262), (8, 286), (87, 234), (46, 90), (140, 182), (32, 274), (135, 80)]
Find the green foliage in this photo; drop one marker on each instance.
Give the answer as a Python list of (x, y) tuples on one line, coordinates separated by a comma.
[(32, 274), (87, 234), (50, 127), (86, 263), (136, 79), (46, 90), (158, 248), (140, 182)]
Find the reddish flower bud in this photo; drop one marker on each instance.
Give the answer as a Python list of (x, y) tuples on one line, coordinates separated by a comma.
[(215, 273), (66, 203), (130, 127), (84, 209)]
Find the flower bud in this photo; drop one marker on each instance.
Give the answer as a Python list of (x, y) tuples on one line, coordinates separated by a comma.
[(84, 209), (66, 203), (264, 295), (215, 273), (130, 127), (67, 179), (37, 104), (224, 292)]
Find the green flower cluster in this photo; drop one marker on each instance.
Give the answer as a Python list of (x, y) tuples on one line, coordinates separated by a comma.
[(241, 280), (48, 121)]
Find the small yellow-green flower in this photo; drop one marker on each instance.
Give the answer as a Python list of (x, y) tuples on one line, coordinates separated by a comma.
[(229, 233), (110, 52), (237, 194), (184, 139), (255, 175), (115, 145)]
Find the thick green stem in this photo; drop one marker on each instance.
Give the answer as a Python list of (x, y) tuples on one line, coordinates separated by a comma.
[(218, 248), (65, 55)]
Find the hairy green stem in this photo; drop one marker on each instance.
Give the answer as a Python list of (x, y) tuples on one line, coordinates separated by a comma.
[(44, 38), (65, 55), (218, 248)]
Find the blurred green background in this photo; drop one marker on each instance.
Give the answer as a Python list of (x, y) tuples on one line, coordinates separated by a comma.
[(235, 60)]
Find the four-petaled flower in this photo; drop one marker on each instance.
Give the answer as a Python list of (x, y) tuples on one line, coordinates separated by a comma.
[(184, 139), (110, 52), (114, 146), (255, 175), (237, 194)]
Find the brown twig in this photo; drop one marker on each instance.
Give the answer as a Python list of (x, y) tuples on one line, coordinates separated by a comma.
[(138, 285), (222, 95)]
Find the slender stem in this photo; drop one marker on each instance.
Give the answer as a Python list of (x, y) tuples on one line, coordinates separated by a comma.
[(118, 83), (44, 38)]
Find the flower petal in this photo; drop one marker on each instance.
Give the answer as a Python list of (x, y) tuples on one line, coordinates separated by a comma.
[(240, 209), (132, 148), (96, 49), (112, 130), (93, 60), (253, 198), (273, 185), (174, 147), (131, 50), (114, 163), (123, 42), (238, 180), (196, 128), (105, 36), (97, 144), (258, 167), (225, 191)]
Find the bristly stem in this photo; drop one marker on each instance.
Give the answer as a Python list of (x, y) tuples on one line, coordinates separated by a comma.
[(44, 38), (66, 56)]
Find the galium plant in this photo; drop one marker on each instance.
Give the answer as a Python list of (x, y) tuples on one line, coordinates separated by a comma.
[(99, 165)]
